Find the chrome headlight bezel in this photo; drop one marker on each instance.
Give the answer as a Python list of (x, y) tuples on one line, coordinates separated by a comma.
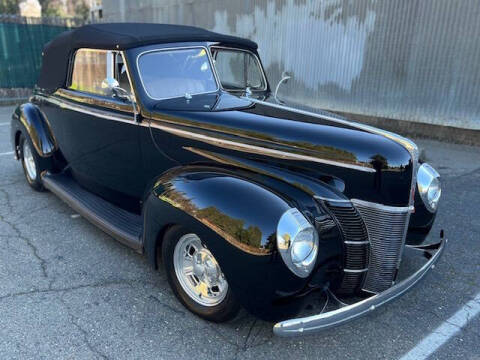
[(297, 242), (429, 186)]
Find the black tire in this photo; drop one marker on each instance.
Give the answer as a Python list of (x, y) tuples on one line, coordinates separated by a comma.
[(35, 182), (224, 311)]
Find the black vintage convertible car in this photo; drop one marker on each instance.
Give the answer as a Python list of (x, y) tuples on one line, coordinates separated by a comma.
[(170, 139)]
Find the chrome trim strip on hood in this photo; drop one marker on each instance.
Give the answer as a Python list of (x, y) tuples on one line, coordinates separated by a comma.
[(409, 145), (253, 149)]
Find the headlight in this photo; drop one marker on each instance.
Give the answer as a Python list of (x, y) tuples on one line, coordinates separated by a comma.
[(297, 242), (429, 187)]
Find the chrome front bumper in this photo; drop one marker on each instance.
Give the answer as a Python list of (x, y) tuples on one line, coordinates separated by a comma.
[(315, 323)]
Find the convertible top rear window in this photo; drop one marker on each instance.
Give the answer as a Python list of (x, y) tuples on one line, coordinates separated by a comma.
[(176, 72)]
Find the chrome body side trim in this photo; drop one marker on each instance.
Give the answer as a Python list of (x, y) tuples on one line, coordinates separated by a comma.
[(65, 104), (253, 149), (315, 323), (87, 99)]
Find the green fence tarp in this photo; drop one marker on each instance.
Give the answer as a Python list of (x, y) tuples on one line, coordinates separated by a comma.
[(21, 48)]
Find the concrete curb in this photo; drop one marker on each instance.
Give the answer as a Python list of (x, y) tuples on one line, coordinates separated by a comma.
[(14, 101), (14, 96)]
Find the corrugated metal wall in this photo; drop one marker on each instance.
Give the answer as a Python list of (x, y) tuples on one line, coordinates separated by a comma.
[(416, 60)]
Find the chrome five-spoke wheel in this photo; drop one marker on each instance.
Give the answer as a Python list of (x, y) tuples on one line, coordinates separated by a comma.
[(29, 161), (198, 271), (195, 275)]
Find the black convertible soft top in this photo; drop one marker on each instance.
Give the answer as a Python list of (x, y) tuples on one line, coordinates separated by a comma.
[(119, 36)]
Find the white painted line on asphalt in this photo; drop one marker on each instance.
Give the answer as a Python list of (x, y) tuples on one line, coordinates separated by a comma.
[(6, 153), (445, 331)]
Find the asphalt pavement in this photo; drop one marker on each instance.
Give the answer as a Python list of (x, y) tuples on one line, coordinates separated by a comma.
[(69, 291)]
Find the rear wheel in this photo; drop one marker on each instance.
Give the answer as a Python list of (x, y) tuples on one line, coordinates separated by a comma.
[(31, 164), (195, 276)]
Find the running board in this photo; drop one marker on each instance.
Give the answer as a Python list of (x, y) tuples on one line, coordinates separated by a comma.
[(124, 226)]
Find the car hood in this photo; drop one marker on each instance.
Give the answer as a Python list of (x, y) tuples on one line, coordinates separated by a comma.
[(374, 165)]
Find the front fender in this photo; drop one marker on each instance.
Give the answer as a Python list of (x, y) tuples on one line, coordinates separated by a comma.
[(236, 216), (29, 119), (242, 212)]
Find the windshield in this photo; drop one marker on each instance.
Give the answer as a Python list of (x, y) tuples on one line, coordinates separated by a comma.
[(174, 73), (238, 69)]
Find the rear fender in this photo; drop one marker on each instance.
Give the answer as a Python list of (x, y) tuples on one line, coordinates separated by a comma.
[(28, 119)]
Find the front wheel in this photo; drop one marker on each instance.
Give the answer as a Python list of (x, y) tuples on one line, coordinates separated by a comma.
[(30, 163), (195, 276)]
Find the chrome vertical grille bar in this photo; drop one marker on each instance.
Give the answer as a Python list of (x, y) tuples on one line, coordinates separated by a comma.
[(386, 227), (356, 244)]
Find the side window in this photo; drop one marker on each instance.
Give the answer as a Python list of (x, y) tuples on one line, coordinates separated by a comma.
[(89, 70)]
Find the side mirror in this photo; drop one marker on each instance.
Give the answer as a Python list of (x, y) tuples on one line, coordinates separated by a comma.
[(121, 93), (114, 88), (285, 77)]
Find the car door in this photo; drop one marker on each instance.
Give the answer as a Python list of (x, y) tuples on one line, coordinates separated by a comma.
[(100, 138)]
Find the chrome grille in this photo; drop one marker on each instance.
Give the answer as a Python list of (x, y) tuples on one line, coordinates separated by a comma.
[(387, 228), (356, 244)]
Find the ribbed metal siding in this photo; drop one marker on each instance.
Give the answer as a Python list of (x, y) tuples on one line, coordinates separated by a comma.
[(386, 232), (407, 60)]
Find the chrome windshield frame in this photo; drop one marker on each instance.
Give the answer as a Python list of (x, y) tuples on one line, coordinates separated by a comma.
[(210, 60)]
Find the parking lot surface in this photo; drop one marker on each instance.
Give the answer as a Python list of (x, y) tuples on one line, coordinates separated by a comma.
[(67, 290)]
